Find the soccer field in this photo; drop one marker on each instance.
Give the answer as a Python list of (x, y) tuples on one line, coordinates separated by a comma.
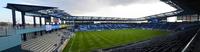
[(87, 41)]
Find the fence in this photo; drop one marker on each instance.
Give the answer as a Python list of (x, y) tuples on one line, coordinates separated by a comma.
[(7, 31)]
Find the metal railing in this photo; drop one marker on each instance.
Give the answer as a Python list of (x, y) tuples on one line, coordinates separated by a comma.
[(188, 47), (6, 31), (3, 32)]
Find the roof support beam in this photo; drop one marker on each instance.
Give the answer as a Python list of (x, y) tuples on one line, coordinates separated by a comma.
[(34, 24), (23, 19), (45, 22), (34, 21), (40, 19), (14, 18), (23, 25)]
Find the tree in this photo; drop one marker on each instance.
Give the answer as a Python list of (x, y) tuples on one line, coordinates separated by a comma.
[(3, 24)]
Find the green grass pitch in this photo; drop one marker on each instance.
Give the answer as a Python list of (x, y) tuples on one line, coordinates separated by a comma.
[(87, 41)]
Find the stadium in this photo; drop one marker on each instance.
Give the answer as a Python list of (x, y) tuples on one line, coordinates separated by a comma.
[(59, 31)]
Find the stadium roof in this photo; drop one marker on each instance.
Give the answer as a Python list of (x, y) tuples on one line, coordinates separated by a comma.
[(27, 8), (95, 18), (38, 11), (186, 5), (164, 15), (45, 11)]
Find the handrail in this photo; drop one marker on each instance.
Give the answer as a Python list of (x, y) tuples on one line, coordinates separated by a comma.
[(186, 47)]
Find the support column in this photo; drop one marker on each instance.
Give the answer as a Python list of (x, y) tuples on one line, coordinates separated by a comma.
[(23, 19), (41, 33), (14, 18), (24, 37), (34, 21), (40, 19), (34, 24), (23, 25), (45, 22)]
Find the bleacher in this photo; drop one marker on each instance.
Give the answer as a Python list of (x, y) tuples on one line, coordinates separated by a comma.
[(46, 43), (161, 26), (171, 43), (102, 26)]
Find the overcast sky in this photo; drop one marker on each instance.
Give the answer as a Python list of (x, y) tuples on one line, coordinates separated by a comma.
[(109, 8)]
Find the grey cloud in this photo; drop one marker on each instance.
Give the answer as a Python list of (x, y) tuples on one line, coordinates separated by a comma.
[(83, 6)]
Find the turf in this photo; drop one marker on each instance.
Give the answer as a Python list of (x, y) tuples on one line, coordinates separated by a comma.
[(87, 41)]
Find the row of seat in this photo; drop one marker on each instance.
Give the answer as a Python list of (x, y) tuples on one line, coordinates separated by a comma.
[(171, 43), (46, 43), (102, 26), (165, 26)]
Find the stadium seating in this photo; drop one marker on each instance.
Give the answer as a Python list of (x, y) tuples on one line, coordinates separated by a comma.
[(171, 43), (46, 43), (162, 26), (174, 42), (102, 26)]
